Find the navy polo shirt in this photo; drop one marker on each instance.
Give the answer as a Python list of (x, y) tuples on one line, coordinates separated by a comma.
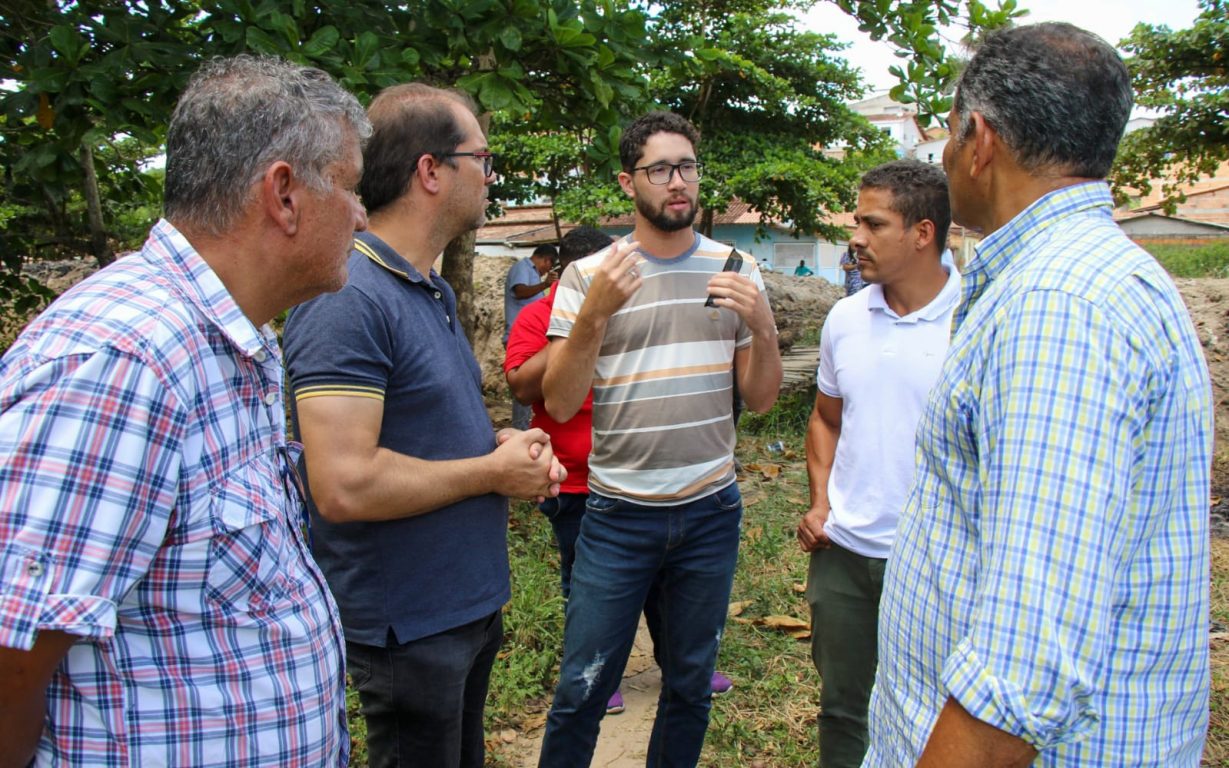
[(392, 335)]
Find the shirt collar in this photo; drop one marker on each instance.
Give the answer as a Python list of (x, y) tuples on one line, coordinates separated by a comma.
[(170, 253), (1010, 244), (935, 309), (384, 255)]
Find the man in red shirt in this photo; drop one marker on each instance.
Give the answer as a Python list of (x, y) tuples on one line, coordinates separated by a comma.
[(572, 440)]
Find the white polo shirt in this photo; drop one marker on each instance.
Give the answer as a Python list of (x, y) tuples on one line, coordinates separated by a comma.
[(882, 367)]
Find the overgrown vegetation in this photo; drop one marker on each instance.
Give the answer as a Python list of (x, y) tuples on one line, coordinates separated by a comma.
[(1208, 260)]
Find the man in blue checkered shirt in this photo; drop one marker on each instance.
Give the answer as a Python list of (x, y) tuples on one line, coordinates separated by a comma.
[(1046, 601)]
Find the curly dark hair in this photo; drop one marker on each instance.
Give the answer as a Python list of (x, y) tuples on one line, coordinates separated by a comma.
[(636, 135)]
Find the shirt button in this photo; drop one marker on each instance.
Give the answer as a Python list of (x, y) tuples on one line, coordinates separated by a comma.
[(271, 398), (439, 295), (35, 569), (260, 356)]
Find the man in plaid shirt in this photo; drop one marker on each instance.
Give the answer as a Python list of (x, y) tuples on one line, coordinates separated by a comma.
[(158, 605)]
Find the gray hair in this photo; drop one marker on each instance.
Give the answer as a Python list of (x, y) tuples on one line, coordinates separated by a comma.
[(1058, 96), (239, 115)]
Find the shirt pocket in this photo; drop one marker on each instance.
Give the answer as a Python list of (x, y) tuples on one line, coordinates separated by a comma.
[(249, 552)]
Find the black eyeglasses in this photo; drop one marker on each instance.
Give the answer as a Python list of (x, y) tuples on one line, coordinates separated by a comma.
[(661, 173), (488, 159)]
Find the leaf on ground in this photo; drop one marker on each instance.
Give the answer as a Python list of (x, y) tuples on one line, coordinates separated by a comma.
[(754, 533), (800, 588), (736, 608), (787, 624), (770, 471), (534, 723), (752, 500), (507, 735), (797, 500)]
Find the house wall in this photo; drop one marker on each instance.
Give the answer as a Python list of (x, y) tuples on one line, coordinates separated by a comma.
[(1159, 226)]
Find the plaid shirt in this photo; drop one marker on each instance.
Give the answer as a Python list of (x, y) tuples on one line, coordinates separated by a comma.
[(1050, 572), (146, 508)]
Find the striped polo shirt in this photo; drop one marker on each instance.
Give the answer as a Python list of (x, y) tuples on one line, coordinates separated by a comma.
[(663, 429)]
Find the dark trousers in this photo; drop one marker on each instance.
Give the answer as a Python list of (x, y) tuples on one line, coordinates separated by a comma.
[(843, 589), (423, 700), (565, 512)]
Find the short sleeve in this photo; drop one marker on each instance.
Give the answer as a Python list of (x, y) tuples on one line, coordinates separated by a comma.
[(825, 374), (742, 337), (569, 296), (523, 272), (528, 334), (89, 472), (338, 344)]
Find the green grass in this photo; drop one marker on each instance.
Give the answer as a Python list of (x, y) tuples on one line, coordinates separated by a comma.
[(1208, 260)]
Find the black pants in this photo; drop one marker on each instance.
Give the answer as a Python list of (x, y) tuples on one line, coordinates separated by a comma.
[(423, 700)]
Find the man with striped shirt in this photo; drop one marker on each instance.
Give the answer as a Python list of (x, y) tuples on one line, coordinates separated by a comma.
[(1046, 599), (659, 325)]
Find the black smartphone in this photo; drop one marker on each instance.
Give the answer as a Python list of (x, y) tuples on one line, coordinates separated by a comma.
[(733, 263)]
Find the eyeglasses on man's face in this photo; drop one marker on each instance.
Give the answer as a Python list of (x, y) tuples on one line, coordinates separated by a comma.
[(661, 173), (488, 159)]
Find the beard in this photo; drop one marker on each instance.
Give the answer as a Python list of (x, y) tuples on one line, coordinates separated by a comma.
[(665, 220)]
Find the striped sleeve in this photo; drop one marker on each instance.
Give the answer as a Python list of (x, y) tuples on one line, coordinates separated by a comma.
[(338, 345)]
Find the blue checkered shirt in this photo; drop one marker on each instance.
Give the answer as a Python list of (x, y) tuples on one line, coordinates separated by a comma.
[(1050, 572), (145, 507)]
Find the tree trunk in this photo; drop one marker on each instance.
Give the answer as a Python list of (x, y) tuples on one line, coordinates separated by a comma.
[(93, 205), (458, 266), (706, 222), (458, 270)]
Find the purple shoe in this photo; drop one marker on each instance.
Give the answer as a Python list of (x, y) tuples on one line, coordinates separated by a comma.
[(615, 705), (721, 684)]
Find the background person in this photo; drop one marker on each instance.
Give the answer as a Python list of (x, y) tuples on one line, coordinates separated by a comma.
[(527, 281)]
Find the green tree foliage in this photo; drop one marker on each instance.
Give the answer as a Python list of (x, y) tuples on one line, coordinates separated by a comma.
[(767, 98), (1184, 74), (927, 71), (89, 71)]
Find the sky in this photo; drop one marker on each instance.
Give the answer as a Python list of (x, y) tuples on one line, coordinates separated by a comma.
[(1111, 19)]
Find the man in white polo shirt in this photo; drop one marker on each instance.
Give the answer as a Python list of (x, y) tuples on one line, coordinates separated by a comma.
[(880, 353)]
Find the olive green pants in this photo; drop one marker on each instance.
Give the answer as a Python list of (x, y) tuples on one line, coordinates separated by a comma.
[(843, 589)]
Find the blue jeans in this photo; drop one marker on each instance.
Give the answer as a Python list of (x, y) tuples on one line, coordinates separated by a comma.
[(423, 700), (565, 512), (677, 564)]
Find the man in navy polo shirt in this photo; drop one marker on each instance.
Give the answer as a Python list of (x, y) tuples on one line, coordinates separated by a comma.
[(407, 476)]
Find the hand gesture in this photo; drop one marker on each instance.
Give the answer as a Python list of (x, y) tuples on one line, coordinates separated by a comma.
[(740, 294), (616, 279)]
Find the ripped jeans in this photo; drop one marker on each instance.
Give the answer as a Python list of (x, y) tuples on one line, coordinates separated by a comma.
[(677, 563)]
